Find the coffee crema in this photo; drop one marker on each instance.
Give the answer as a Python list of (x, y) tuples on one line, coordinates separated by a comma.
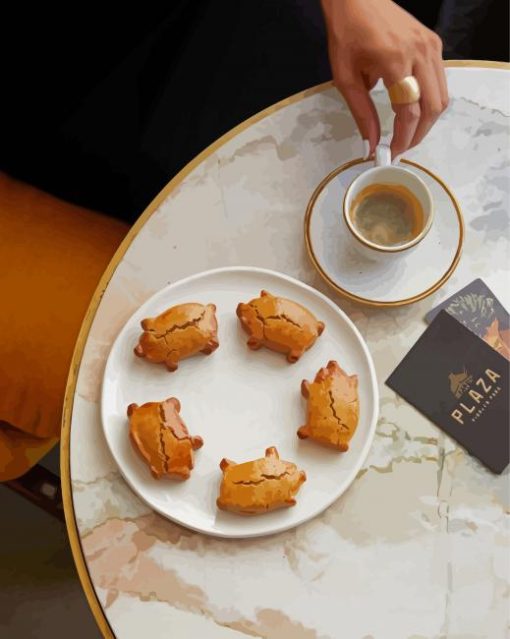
[(387, 214)]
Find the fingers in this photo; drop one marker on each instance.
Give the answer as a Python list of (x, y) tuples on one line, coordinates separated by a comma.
[(413, 121), (355, 87), (443, 86), (431, 103), (357, 97), (407, 116), (441, 80), (405, 123)]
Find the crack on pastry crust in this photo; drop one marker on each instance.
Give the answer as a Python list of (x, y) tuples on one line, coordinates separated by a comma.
[(259, 485), (260, 318), (177, 333), (284, 317), (160, 436), (265, 477), (183, 434), (177, 327), (279, 324), (341, 423), (333, 407), (162, 449), (170, 349), (274, 476)]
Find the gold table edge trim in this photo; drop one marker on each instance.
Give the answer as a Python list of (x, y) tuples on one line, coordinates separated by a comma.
[(65, 460), (365, 300)]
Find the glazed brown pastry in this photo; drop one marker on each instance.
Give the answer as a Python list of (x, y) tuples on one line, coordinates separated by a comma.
[(279, 324), (333, 407), (179, 332), (259, 486), (160, 436)]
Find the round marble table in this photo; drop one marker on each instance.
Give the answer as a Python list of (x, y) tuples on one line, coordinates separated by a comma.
[(418, 546)]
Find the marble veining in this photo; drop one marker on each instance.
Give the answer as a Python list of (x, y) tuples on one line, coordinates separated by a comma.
[(419, 545)]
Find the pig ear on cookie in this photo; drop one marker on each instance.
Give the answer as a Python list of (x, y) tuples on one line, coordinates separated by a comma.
[(322, 374), (272, 452), (131, 409), (226, 463), (173, 401), (146, 324)]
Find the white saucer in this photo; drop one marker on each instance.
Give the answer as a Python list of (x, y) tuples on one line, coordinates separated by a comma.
[(421, 273), (240, 402)]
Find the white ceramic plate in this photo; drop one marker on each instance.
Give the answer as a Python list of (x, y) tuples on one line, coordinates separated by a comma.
[(239, 401), (423, 270)]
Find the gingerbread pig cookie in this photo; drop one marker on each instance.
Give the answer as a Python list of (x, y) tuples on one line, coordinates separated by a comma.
[(179, 332), (333, 407), (259, 486), (279, 324), (158, 433)]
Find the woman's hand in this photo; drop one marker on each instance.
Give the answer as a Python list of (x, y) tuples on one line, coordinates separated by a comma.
[(372, 39)]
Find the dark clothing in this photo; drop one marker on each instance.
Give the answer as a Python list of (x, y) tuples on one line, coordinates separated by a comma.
[(109, 129), (102, 109), (474, 29)]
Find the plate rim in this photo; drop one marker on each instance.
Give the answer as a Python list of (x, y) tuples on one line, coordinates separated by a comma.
[(366, 300), (351, 476)]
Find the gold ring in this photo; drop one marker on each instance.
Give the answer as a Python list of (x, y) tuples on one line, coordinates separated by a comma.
[(405, 91)]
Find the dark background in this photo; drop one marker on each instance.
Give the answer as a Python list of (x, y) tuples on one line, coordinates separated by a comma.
[(103, 107)]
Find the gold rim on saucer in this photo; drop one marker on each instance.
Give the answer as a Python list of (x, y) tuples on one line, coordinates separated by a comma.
[(364, 300)]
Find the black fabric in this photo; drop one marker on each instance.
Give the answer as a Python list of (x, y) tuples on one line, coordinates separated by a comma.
[(201, 70), (476, 29), (102, 108)]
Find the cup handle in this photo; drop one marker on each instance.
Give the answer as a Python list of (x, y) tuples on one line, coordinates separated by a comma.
[(382, 155)]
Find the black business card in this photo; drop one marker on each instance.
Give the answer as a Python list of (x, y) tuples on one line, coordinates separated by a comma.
[(461, 384), (479, 309)]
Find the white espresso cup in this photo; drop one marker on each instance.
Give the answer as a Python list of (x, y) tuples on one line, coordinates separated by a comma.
[(384, 172)]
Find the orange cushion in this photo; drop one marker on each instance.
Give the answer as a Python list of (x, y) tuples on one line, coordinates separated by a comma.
[(52, 257), (19, 451)]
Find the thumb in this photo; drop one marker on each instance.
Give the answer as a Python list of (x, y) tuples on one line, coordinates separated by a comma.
[(358, 99)]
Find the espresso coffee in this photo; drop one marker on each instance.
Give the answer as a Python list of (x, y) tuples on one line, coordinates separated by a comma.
[(387, 214)]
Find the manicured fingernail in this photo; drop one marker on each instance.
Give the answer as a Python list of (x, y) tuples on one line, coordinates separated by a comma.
[(366, 149)]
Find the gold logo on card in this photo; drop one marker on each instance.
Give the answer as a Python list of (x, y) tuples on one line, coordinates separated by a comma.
[(480, 393), (459, 382)]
